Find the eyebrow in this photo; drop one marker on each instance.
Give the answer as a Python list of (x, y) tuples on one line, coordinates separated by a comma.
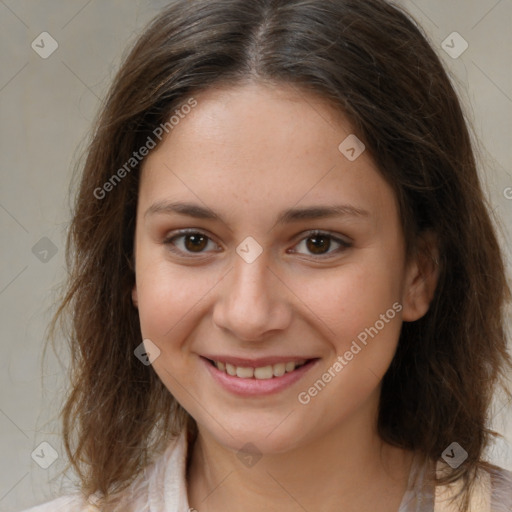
[(285, 217)]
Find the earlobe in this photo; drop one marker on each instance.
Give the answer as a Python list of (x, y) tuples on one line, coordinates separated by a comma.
[(421, 278)]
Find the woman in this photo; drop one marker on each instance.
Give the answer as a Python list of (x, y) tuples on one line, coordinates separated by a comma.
[(286, 289)]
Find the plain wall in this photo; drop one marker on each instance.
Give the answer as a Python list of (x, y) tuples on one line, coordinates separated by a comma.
[(47, 106)]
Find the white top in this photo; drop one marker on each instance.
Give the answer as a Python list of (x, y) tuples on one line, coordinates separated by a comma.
[(162, 488)]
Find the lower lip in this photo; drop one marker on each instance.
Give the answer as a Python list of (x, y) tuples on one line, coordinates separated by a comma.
[(257, 387)]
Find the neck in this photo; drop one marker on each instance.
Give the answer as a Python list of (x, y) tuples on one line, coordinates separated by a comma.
[(347, 465)]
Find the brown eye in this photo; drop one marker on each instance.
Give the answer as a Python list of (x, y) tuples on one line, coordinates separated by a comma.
[(189, 242), (195, 243), (318, 244), (321, 244)]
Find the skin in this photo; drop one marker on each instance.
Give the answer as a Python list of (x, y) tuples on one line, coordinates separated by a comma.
[(248, 153)]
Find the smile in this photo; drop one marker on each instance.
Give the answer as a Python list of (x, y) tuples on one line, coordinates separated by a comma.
[(263, 378)]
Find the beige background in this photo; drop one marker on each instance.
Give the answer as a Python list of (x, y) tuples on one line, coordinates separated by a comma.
[(47, 106)]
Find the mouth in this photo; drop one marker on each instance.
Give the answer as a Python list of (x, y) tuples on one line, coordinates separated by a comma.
[(257, 378), (266, 372)]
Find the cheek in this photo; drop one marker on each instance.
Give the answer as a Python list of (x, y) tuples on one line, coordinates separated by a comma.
[(363, 313), (360, 305), (165, 295), (171, 298), (352, 297)]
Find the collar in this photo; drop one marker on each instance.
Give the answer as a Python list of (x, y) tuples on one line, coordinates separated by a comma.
[(167, 485)]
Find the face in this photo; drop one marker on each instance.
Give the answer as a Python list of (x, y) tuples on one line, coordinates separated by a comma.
[(259, 244)]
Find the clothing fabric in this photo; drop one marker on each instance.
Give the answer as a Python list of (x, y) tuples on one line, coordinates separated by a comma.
[(162, 488)]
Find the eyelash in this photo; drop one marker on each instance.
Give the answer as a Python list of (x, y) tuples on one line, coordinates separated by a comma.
[(169, 241)]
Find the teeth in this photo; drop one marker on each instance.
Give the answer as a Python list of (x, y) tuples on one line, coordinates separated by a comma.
[(244, 373), (265, 372), (261, 373), (289, 367), (279, 369)]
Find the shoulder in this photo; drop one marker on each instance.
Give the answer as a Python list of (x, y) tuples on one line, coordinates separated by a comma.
[(491, 491), (68, 503), (160, 486), (500, 486)]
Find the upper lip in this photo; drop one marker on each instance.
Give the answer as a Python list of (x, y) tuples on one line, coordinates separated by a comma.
[(257, 362)]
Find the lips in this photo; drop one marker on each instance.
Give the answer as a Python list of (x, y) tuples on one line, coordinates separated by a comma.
[(251, 379)]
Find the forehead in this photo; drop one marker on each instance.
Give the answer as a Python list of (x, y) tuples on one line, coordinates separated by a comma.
[(240, 121), (265, 147)]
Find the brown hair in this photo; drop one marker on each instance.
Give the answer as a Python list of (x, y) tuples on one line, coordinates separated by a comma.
[(372, 63)]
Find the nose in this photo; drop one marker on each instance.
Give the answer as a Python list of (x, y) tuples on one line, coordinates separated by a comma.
[(253, 301)]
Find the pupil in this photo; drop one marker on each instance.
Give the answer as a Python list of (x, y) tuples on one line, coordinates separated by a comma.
[(197, 242), (318, 242)]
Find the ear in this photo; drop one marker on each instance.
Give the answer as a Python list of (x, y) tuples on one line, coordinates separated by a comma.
[(131, 266), (135, 298), (421, 278)]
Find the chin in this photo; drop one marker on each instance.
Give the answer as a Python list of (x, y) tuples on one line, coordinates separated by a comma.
[(253, 436)]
